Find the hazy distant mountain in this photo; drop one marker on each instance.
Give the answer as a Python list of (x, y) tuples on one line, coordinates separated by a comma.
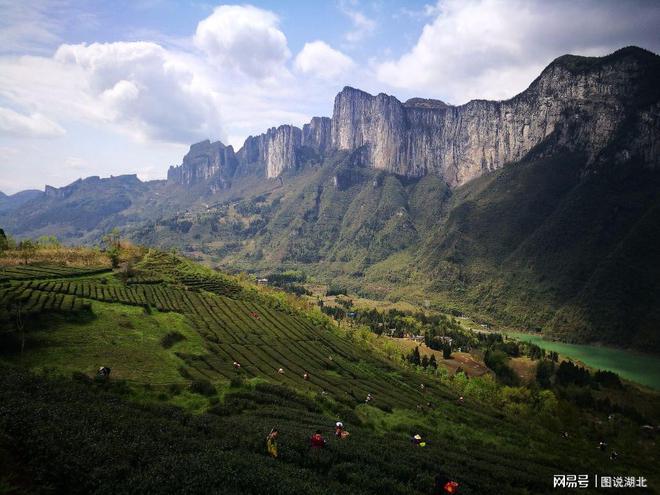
[(13, 201), (541, 211)]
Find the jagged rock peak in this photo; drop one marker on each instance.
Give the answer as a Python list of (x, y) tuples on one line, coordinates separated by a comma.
[(318, 134), (579, 102), (589, 95), (204, 161)]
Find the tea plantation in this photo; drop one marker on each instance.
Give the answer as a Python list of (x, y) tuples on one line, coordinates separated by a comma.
[(176, 416)]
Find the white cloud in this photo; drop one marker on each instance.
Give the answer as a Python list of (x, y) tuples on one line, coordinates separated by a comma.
[(136, 105), (141, 85), (321, 60), (37, 26), (26, 26), (363, 26), (245, 38), (494, 49), (34, 125)]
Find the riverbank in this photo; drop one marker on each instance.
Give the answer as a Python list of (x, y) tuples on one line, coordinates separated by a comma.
[(629, 365)]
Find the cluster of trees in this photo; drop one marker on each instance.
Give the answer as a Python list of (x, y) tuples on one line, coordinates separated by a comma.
[(496, 360), (576, 384), (400, 323), (334, 312), (499, 351), (336, 290), (512, 348), (424, 361), (568, 373), (254, 206), (290, 281)]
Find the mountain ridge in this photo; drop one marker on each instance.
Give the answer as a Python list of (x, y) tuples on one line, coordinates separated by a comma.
[(460, 142), (544, 241), (278, 147)]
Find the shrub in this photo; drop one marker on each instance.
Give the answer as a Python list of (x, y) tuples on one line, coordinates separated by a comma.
[(497, 361), (203, 387), (170, 339), (446, 351), (544, 372), (336, 290), (608, 379), (236, 382)]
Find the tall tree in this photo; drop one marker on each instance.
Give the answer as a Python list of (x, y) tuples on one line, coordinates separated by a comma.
[(416, 359)]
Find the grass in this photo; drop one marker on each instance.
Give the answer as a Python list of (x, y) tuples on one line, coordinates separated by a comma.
[(174, 452), (192, 425), (119, 336), (61, 256)]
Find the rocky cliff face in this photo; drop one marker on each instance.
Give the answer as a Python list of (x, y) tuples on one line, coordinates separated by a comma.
[(268, 154), (318, 134), (203, 162), (578, 103), (275, 150), (583, 101)]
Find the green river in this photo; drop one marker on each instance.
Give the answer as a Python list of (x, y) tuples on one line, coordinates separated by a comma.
[(633, 366)]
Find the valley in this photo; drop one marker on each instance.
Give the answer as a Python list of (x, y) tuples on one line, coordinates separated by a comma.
[(472, 290), (552, 232), (171, 332)]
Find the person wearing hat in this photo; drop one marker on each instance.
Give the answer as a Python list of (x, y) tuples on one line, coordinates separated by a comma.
[(340, 432), (417, 441)]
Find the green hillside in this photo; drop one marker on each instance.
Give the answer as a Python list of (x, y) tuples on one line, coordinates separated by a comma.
[(576, 259), (562, 241), (177, 417), (539, 244)]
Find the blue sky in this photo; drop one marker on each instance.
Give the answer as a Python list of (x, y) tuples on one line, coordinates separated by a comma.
[(111, 87)]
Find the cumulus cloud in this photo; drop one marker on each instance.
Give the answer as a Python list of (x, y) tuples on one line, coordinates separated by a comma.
[(143, 86), (245, 38), (34, 125), (494, 49), (321, 60)]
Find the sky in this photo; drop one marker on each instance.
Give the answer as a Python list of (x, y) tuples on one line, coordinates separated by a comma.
[(112, 87)]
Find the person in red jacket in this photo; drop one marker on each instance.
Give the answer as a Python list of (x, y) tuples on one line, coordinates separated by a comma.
[(444, 485), (317, 441)]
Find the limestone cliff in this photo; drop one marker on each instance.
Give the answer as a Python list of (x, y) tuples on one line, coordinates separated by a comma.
[(275, 150), (318, 134), (579, 103), (584, 101), (205, 161)]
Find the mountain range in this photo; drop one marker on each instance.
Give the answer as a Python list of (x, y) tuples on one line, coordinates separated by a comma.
[(540, 212)]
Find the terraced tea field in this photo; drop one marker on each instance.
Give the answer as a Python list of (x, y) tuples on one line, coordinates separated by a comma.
[(260, 338), (171, 331), (26, 272)]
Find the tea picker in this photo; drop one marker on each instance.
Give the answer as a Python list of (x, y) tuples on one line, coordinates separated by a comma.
[(103, 373), (271, 443)]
